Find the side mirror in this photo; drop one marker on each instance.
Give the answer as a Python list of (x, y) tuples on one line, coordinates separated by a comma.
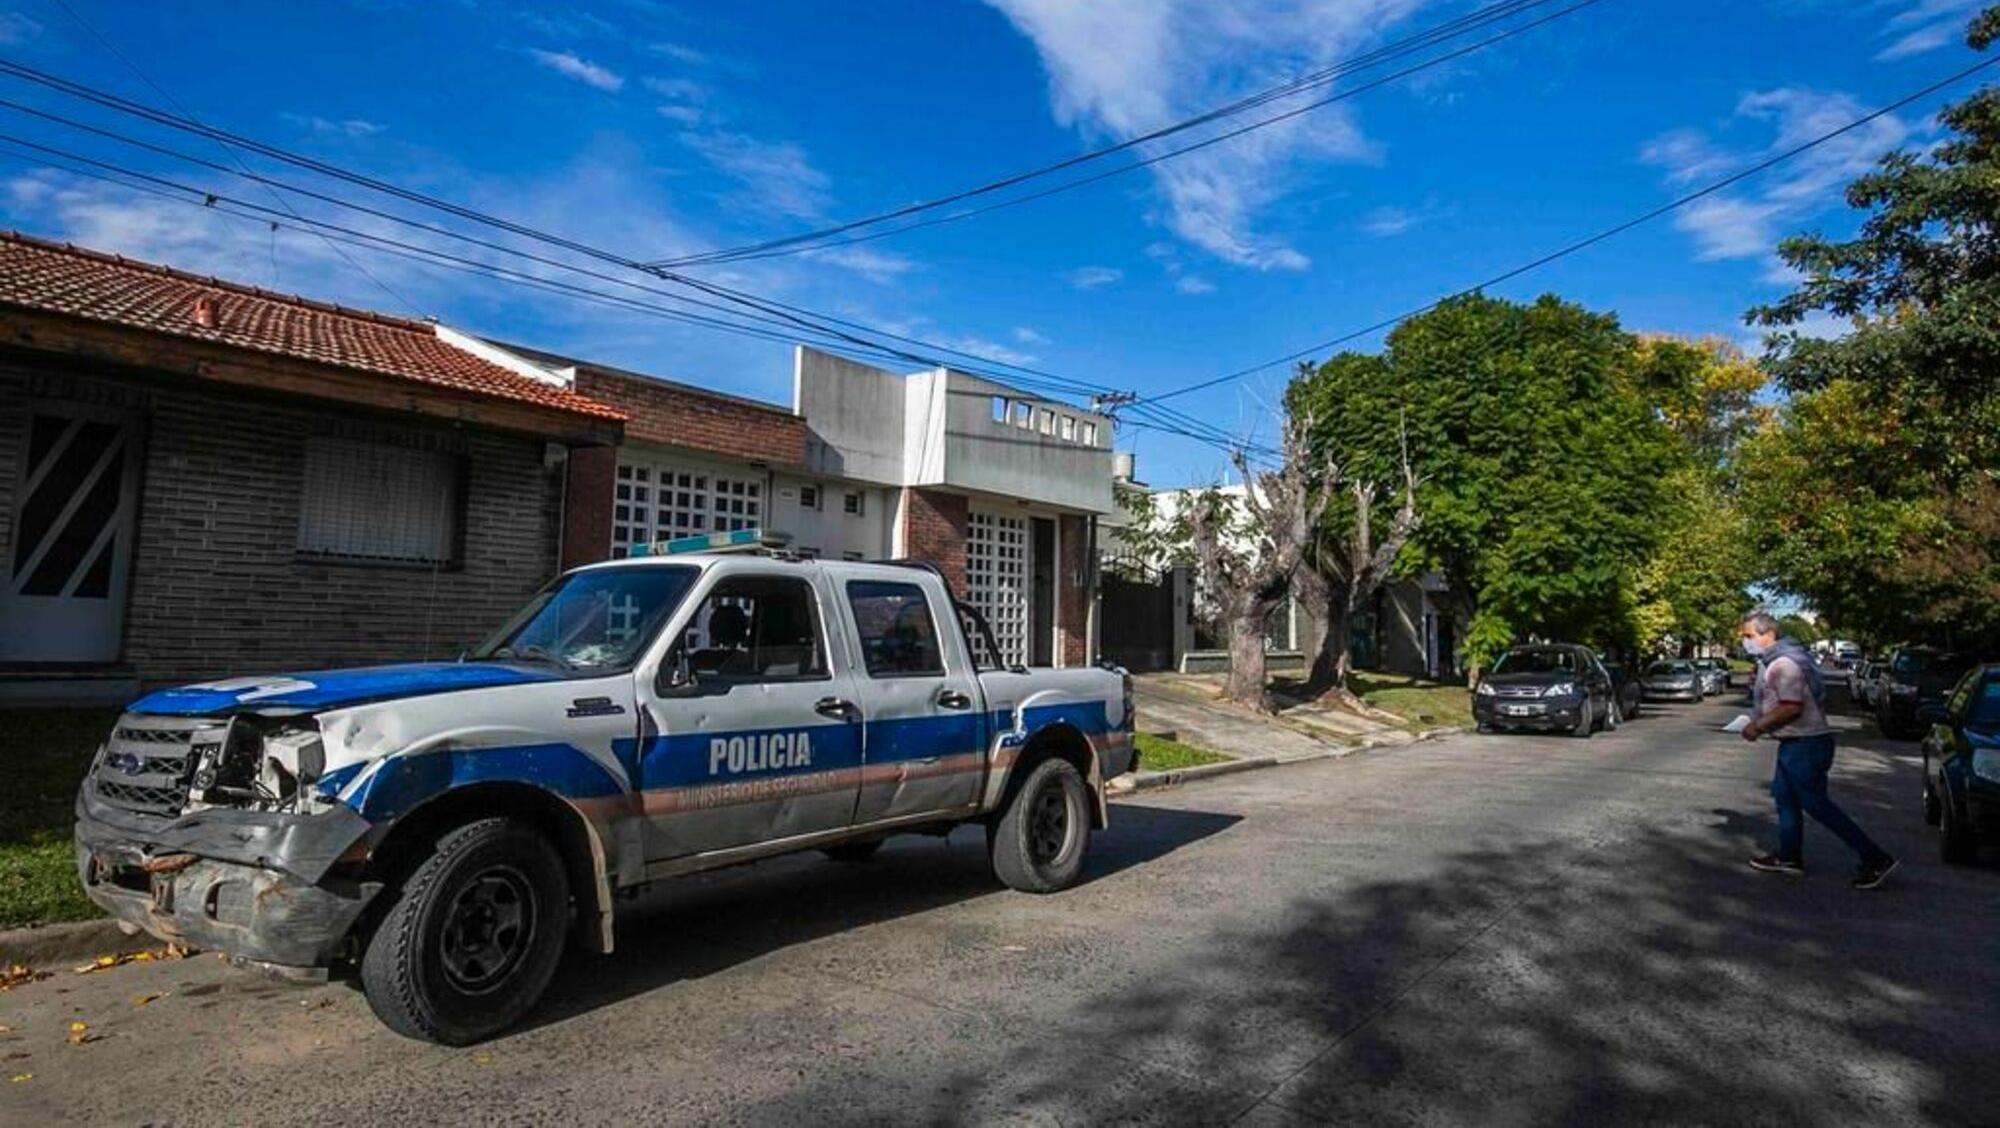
[(676, 676)]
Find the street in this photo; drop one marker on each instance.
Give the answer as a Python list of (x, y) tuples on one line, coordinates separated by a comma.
[(1492, 930)]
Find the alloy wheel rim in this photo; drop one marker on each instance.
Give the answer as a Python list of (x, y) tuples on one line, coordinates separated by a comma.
[(487, 929)]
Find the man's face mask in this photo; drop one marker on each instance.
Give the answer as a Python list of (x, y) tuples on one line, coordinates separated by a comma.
[(1755, 648)]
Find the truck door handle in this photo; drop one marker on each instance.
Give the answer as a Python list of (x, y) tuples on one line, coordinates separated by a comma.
[(838, 707), (953, 699)]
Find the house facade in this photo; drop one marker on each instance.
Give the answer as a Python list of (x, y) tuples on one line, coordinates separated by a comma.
[(200, 479), (1000, 490)]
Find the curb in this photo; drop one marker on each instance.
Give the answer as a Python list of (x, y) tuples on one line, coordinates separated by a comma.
[(69, 943), (1148, 781)]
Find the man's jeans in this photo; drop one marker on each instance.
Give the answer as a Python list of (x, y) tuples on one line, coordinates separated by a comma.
[(1798, 784)]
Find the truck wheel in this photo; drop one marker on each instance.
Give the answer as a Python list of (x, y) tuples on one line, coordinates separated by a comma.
[(853, 851), (473, 937), (1037, 844)]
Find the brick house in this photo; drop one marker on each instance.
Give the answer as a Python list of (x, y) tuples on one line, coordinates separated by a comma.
[(1000, 489), (199, 479)]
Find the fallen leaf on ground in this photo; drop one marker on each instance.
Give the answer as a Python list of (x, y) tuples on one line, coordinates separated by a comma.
[(1012, 948), (142, 1000), (80, 1033), (100, 963), (482, 1059), (13, 975), (20, 1077)]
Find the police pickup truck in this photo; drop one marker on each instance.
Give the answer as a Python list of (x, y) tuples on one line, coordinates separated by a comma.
[(445, 826)]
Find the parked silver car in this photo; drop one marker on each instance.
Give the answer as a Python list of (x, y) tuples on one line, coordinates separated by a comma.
[(1673, 680), (1714, 674)]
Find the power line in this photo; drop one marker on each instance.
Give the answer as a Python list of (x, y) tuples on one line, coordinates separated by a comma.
[(91, 29), (769, 310), (796, 244), (1583, 243), (1410, 45)]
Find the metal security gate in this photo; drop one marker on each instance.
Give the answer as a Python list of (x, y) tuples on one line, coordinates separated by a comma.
[(1137, 618), (996, 578), (74, 502)]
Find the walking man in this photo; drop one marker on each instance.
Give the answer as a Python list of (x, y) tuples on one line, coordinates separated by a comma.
[(1790, 704)]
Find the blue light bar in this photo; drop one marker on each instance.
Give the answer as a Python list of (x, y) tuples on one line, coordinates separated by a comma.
[(738, 541)]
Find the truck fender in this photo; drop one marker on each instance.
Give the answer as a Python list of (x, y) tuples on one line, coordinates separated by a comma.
[(1047, 727), (555, 786)]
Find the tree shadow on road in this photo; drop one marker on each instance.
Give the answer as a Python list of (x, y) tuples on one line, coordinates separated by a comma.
[(708, 923), (1644, 975)]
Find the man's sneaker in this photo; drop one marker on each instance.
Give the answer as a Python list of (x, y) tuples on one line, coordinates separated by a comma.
[(1771, 863), (1872, 874)]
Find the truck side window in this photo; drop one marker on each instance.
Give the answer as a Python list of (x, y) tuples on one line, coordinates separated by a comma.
[(898, 638), (756, 629)]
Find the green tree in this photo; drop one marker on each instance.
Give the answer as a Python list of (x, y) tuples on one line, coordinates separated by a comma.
[(1875, 497), (1541, 459)]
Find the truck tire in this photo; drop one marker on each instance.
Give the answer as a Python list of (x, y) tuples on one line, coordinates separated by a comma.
[(1037, 843), (473, 936), (853, 851)]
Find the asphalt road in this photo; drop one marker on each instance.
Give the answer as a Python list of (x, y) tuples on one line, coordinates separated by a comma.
[(1489, 930)]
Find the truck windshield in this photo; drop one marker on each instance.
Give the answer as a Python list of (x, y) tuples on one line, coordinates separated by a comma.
[(593, 622)]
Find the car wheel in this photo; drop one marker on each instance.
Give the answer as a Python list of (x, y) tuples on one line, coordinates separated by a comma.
[(1612, 719), (473, 936), (1955, 845), (1933, 810), (1632, 710), (1037, 843), (1586, 722), (853, 851)]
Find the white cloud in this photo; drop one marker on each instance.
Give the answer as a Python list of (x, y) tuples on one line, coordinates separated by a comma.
[(1192, 284), (680, 115), (1027, 336), (1927, 26), (583, 70), (1093, 277), (877, 266), (344, 127), (679, 53), (778, 175), (1389, 220), (1748, 222), (676, 89), (16, 29), (1121, 67)]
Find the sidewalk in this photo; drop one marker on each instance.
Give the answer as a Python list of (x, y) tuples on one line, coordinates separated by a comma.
[(1187, 705)]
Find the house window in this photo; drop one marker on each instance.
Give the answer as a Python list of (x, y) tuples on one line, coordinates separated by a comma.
[(999, 409), (1023, 414), (664, 502), (808, 497), (1089, 434), (850, 502), (1048, 422), (1069, 428), (373, 501)]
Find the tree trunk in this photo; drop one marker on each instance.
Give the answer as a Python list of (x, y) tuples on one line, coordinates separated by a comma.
[(1246, 661), (1316, 596)]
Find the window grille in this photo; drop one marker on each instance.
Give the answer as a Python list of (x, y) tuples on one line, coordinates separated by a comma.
[(996, 578), (652, 502)]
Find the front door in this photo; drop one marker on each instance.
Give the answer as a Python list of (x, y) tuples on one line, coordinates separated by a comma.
[(925, 737), (750, 737), (74, 507)]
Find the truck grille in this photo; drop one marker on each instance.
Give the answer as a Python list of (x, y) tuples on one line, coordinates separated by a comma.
[(149, 761)]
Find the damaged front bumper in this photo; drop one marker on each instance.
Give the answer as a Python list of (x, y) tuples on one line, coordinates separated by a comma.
[(255, 885)]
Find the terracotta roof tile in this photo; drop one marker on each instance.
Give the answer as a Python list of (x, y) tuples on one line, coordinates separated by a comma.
[(60, 278)]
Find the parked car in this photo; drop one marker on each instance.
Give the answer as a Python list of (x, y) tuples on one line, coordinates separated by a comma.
[(1911, 691), (1865, 681), (1624, 687), (1714, 675), (448, 826), (1962, 766), (1676, 679), (1553, 686)]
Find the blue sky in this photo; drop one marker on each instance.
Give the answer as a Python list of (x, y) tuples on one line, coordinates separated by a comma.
[(656, 129)]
